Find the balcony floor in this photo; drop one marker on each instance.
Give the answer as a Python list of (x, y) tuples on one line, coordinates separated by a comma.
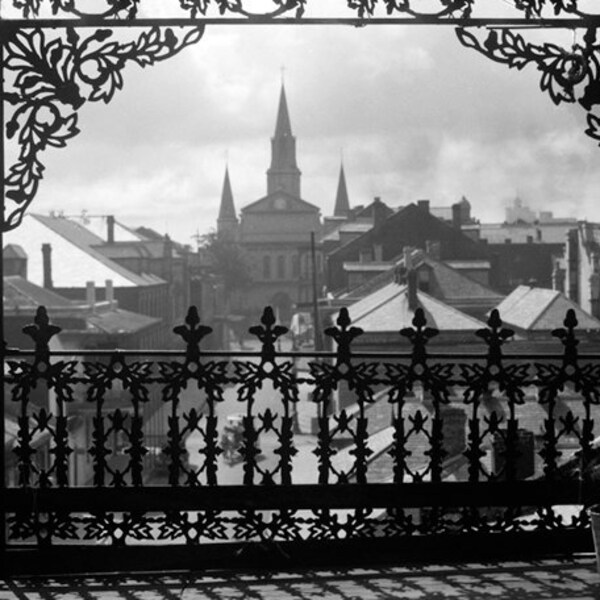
[(573, 579)]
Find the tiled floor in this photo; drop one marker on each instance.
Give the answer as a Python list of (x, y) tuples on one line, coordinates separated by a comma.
[(574, 579)]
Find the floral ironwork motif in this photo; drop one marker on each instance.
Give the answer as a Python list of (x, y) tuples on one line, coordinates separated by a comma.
[(436, 9), (568, 75), (52, 77), (492, 386)]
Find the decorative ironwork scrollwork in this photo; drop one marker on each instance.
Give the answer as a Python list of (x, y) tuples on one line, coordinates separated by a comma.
[(52, 77), (570, 76), (117, 388)]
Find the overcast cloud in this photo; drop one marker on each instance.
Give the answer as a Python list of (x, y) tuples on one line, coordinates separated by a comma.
[(415, 114)]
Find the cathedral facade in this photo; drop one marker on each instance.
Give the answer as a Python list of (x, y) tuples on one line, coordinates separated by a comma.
[(276, 232)]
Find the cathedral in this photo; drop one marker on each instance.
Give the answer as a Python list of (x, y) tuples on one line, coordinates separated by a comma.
[(275, 231)]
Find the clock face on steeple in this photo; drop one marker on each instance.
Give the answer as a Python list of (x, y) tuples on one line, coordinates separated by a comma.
[(279, 203)]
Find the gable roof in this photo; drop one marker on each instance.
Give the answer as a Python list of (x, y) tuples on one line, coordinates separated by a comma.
[(20, 293), (418, 225), (539, 309), (451, 283), (98, 225), (74, 256), (387, 309), (268, 204)]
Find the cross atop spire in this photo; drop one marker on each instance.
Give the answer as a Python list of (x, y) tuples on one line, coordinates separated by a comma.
[(283, 127), (342, 204)]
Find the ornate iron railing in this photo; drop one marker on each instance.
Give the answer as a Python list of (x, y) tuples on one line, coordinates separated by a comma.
[(46, 50), (407, 449)]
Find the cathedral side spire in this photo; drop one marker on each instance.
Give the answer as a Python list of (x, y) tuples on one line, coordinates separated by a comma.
[(227, 222), (283, 174), (342, 203)]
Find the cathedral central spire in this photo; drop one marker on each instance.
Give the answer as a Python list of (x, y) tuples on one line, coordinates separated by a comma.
[(283, 174)]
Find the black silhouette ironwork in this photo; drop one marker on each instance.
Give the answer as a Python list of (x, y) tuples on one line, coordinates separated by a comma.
[(268, 504)]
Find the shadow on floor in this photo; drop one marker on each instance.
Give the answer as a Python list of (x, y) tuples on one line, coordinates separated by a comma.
[(573, 579)]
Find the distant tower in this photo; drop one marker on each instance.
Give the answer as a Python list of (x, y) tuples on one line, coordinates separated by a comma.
[(342, 204), (283, 174), (227, 223)]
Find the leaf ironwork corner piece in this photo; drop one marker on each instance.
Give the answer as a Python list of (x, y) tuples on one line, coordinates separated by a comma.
[(569, 75), (50, 77)]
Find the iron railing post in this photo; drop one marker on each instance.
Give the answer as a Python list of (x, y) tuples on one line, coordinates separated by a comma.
[(3, 482)]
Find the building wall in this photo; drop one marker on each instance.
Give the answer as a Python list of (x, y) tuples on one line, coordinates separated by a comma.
[(413, 226), (522, 264)]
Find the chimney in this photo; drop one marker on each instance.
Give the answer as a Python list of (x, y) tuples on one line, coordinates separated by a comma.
[(558, 277), (413, 301), (110, 229), (456, 216), (423, 205), (433, 249), (407, 253), (90, 294), (380, 211), (109, 293), (378, 252), (47, 265)]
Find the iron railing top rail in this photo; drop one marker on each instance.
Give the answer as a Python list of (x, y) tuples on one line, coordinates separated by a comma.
[(405, 355), (490, 22)]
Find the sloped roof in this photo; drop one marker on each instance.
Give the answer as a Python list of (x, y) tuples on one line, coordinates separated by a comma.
[(539, 309), (119, 321), (98, 225), (81, 238), (452, 284), (388, 310), (20, 293), (409, 217), (358, 227), (268, 204)]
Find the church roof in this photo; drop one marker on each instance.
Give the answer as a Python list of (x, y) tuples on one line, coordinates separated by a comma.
[(227, 208), (342, 204), (280, 201), (283, 127)]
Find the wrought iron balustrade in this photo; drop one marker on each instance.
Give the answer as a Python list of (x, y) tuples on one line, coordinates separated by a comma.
[(407, 448)]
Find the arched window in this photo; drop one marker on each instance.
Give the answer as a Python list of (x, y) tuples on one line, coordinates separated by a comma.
[(266, 267), (281, 267)]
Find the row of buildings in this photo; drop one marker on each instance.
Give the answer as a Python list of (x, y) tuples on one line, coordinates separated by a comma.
[(357, 244), (111, 286)]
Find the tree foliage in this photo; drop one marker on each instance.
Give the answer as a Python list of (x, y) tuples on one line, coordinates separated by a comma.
[(226, 260)]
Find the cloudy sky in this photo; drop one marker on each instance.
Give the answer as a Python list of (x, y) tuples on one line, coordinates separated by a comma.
[(415, 114)]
